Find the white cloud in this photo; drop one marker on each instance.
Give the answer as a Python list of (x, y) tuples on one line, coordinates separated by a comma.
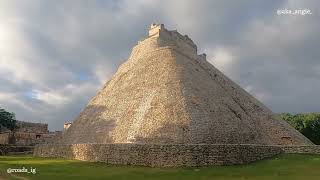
[(51, 98)]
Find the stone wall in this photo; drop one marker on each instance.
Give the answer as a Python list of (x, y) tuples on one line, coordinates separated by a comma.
[(12, 149), (29, 127), (301, 149), (157, 155)]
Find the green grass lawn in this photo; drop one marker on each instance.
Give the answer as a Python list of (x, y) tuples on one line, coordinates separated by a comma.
[(287, 166)]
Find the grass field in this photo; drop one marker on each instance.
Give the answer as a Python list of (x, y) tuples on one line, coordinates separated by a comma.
[(287, 166)]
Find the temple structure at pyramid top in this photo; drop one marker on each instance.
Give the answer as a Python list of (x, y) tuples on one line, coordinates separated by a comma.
[(168, 94), (183, 42), (170, 38)]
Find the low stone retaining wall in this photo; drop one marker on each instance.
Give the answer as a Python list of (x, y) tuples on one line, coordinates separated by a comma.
[(157, 155), (12, 149), (301, 149)]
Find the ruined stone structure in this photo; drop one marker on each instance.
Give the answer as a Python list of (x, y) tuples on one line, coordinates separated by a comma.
[(168, 94), (26, 134)]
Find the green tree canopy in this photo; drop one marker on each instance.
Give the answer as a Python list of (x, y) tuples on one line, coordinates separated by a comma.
[(308, 124), (7, 119)]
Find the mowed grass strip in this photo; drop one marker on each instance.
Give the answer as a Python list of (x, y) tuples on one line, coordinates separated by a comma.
[(285, 166)]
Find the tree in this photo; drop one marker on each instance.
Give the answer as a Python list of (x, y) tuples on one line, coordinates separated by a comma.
[(312, 130), (294, 120), (7, 119), (308, 124)]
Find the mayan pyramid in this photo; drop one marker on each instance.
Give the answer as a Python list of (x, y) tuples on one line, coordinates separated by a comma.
[(168, 94)]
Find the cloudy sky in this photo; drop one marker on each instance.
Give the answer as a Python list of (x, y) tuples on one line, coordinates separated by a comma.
[(55, 55)]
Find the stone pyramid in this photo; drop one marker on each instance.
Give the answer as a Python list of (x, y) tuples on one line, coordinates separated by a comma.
[(168, 94)]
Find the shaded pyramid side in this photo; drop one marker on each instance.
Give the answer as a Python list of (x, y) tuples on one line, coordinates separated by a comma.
[(221, 112)]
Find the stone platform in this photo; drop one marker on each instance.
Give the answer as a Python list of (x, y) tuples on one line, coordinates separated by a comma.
[(160, 155)]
